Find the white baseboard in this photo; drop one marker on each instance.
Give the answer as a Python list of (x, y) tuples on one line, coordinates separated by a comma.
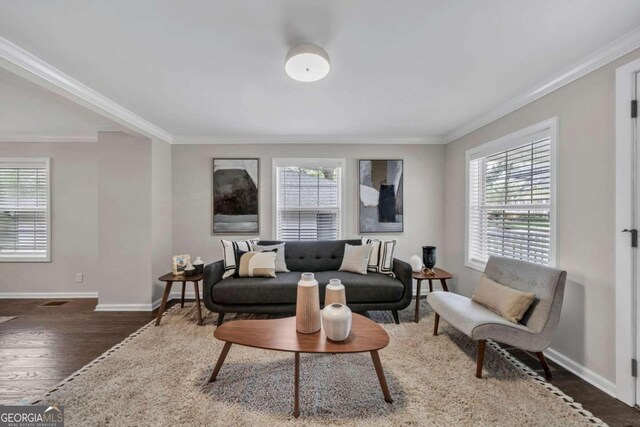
[(124, 307), (44, 295), (588, 375)]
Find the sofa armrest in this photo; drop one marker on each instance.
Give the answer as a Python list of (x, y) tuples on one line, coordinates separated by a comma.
[(212, 274), (403, 272)]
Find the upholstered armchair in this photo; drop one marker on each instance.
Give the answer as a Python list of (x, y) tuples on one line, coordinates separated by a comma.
[(538, 325)]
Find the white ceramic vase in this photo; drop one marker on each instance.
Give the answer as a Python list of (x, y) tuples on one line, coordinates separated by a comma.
[(336, 320), (334, 292), (416, 263), (308, 305)]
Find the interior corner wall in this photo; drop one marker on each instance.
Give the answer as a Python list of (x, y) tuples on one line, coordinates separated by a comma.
[(161, 215), (124, 220), (192, 186), (586, 218), (74, 222)]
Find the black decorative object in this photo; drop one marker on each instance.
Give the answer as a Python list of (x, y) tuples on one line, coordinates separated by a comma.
[(429, 258), (235, 196), (380, 196)]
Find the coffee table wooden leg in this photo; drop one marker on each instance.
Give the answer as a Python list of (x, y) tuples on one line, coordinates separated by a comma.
[(417, 317), (444, 284), (296, 386), (223, 355), (383, 381), (165, 296), (195, 288)]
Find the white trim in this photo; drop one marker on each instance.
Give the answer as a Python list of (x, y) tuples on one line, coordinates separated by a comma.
[(588, 375), (511, 140), (49, 138), (310, 162), (47, 162), (307, 139), (124, 307), (29, 66), (625, 383), (47, 295), (592, 62)]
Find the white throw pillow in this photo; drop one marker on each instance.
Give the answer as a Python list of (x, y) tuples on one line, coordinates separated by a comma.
[(281, 264), (381, 259), (355, 258), (230, 250), (257, 264)]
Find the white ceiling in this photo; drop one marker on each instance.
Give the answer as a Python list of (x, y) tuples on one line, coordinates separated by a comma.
[(410, 68), (27, 110)]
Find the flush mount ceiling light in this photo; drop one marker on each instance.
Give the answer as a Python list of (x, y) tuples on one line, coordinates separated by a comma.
[(307, 63)]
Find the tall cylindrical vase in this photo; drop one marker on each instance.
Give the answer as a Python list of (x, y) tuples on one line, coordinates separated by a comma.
[(308, 305), (334, 293)]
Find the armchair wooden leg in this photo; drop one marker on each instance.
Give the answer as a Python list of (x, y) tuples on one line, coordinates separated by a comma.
[(395, 316), (544, 364), (435, 324), (481, 346), (220, 319)]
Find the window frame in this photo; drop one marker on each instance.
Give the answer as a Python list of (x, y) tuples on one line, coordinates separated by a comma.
[(47, 163), (506, 142), (307, 162)]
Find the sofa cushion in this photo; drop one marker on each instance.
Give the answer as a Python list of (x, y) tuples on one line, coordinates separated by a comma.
[(473, 319), (373, 287)]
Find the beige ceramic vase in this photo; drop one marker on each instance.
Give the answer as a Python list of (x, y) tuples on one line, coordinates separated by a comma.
[(334, 293), (308, 305)]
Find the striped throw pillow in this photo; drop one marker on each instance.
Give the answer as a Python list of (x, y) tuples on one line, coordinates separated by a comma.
[(381, 259), (230, 250)]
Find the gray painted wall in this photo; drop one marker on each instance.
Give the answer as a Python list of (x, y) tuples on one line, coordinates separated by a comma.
[(423, 191), (586, 196), (74, 221)]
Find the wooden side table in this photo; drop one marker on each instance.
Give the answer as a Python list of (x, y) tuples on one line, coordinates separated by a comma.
[(169, 278), (420, 276)]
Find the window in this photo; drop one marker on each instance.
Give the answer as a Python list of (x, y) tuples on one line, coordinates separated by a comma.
[(511, 197), (24, 210), (308, 203)]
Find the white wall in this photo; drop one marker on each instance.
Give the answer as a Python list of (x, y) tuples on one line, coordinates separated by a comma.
[(586, 195), (74, 221), (423, 191), (161, 214)]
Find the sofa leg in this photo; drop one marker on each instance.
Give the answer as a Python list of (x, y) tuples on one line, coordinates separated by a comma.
[(395, 316), (435, 324), (544, 364), (220, 319), (481, 346)]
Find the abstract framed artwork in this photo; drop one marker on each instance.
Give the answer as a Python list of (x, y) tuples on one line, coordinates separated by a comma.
[(380, 196), (236, 196)]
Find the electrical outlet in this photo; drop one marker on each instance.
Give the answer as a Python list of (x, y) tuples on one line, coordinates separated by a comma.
[(79, 278)]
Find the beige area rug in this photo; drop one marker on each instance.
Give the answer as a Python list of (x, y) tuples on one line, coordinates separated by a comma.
[(158, 377), (6, 318)]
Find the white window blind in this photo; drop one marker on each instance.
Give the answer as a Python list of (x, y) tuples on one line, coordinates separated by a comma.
[(308, 203), (510, 201), (24, 210)]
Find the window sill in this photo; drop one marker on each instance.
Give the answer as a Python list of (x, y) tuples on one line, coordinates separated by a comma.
[(24, 259), (475, 265)]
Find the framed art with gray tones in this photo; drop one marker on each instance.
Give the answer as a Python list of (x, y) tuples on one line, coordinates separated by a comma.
[(236, 194), (380, 196)]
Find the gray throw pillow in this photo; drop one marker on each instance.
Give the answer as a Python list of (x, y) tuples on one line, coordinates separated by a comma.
[(281, 264), (356, 258)]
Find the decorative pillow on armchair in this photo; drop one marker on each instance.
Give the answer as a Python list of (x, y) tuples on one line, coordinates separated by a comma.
[(230, 250), (509, 303), (381, 259)]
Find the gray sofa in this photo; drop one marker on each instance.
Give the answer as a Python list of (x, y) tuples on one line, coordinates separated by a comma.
[(373, 291)]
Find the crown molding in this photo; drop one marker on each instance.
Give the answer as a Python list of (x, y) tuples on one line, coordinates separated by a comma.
[(592, 62), (306, 139), (29, 66), (49, 138)]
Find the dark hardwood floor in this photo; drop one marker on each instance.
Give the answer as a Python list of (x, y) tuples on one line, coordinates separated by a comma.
[(44, 345)]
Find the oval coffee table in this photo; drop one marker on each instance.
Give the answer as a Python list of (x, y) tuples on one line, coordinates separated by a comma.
[(281, 335)]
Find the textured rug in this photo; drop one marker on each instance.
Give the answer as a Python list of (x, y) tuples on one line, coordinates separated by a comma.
[(6, 318), (158, 376)]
